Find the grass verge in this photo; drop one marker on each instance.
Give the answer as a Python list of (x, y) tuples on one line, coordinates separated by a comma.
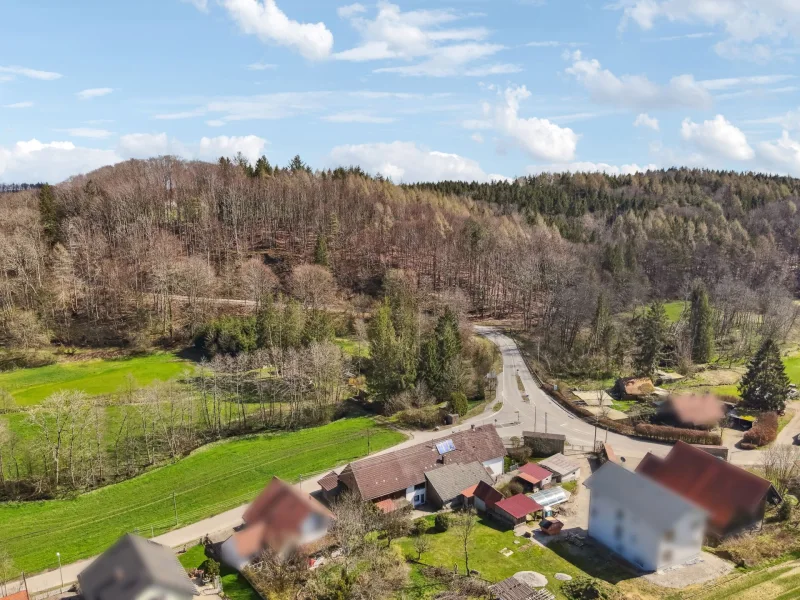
[(234, 585), (212, 480)]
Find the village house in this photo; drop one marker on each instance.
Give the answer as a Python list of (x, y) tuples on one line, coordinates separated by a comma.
[(399, 477), (484, 497), (445, 486), (692, 411), (734, 499), (562, 468), (282, 518), (533, 476), (134, 569), (647, 524), (514, 511)]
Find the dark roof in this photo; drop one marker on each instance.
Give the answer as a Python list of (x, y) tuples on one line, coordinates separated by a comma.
[(535, 471), (518, 506), (488, 494), (389, 473), (131, 565), (724, 490), (281, 509), (449, 481), (560, 464), (514, 589), (544, 436), (329, 482)]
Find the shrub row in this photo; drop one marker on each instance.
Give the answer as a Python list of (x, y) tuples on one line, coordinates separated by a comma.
[(764, 431), (675, 434), (603, 422)]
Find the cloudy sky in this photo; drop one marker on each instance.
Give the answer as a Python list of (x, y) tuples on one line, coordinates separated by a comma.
[(415, 90)]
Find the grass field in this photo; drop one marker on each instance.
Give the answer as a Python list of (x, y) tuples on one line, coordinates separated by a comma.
[(95, 377), (778, 583), (216, 478), (234, 585)]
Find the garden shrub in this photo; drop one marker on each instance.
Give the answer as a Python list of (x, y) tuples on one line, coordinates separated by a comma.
[(764, 431), (674, 434), (588, 588), (458, 403), (442, 522), (419, 418)]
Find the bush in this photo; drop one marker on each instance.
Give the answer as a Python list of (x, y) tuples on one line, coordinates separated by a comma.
[(515, 487), (228, 335), (442, 522), (746, 446), (785, 511), (587, 588), (674, 434), (420, 527), (764, 431), (458, 403), (210, 567), (419, 418)]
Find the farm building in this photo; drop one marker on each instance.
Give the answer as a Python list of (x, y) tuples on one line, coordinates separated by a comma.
[(562, 468), (642, 521), (282, 518), (136, 568), (484, 497), (515, 510), (400, 476), (446, 484), (533, 477), (734, 499), (697, 411)]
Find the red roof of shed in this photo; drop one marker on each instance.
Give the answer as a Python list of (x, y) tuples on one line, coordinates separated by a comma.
[(518, 506), (535, 471)]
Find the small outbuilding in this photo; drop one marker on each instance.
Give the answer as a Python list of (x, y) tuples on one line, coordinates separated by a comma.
[(533, 477), (563, 468), (484, 497), (447, 484), (550, 497), (515, 510), (544, 444), (695, 411), (634, 388)]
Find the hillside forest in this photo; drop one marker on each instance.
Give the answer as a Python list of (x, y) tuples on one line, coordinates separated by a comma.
[(294, 290)]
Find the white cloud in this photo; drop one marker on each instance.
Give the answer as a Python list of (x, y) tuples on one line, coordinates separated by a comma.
[(144, 145), (251, 146), (201, 5), (94, 93), (718, 137), (356, 117), (30, 73), (732, 82), (184, 114), (406, 162), (788, 121), (351, 10), (427, 37), (215, 123), (86, 132), (746, 22), (783, 154), (540, 138), (554, 44), (590, 167), (645, 120), (686, 36), (261, 67), (26, 104), (264, 19), (636, 91), (477, 137), (147, 145), (52, 162)]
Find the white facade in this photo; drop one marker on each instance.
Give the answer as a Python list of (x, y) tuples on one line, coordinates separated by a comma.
[(575, 475), (495, 466), (650, 526), (417, 496)]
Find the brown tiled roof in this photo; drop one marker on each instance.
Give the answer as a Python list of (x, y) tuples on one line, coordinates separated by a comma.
[(488, 494), (518, 506), (725, 491), (610, 454), (700, 410), (389, 473), (329, 482), (280, 510)]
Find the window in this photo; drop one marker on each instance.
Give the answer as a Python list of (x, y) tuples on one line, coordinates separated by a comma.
[(420, 486), (669, 536)]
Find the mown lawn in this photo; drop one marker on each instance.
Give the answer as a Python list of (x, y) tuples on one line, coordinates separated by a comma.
[(234, 585), (95, 377), (779, 583), (213, 479)]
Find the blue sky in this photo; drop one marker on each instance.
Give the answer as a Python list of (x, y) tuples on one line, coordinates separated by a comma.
[(416, 90)]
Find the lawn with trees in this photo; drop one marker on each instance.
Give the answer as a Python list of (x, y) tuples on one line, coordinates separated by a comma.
[(211, 480)]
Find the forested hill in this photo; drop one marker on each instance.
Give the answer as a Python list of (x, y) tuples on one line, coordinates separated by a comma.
[(576, 194), (137, 249)]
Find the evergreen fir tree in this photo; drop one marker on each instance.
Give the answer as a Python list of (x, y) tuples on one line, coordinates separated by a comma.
[(765, 386), (321, 251), (49, 214), (384, 351), (650, 331), (701, 325)]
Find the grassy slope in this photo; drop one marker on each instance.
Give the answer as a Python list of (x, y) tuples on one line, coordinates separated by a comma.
[(213, 479), (234, 585), (95, 377)]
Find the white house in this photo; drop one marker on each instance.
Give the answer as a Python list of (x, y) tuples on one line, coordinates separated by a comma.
[(641, 520)]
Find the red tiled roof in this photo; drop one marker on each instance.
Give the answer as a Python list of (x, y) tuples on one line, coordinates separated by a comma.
[(726, 491), (281, 509), (610, 454), (518, 506), (699, 410), (488, 494), (535, 472), (469, 492), (23, 595), (386, 506), (389, 473)]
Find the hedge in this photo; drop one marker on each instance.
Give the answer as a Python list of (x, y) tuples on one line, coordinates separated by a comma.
[(604, 422), (764, 431), (675, 434)]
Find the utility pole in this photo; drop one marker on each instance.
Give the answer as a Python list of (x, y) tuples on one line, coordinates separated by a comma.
[(175, 506), (518, 421), (60, 571), (368, 443)]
